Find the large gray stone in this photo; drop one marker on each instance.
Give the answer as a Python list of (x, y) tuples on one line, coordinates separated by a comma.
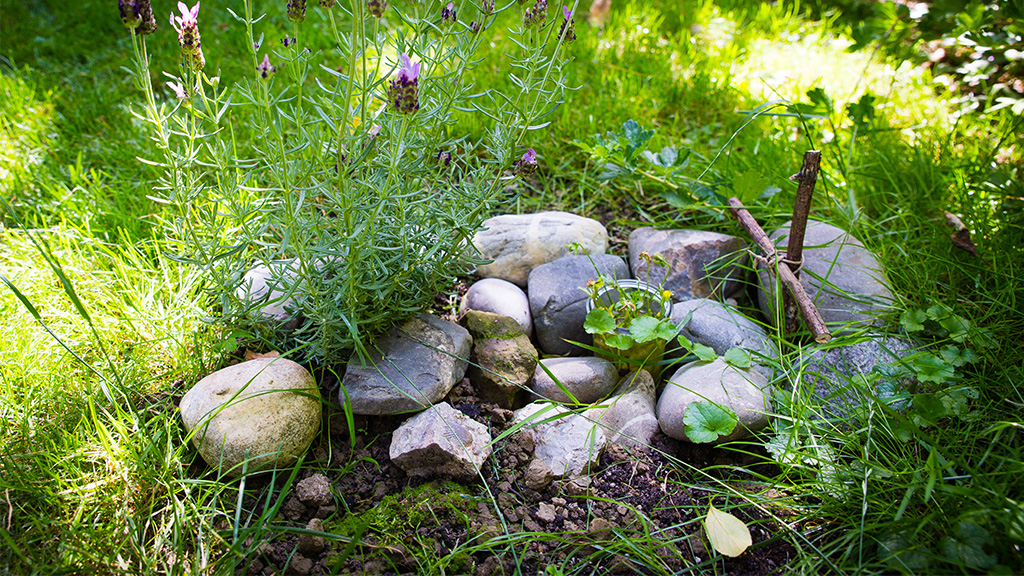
[(746, 392), (266, 411), (501, 297), (628, 417), (720, 327), (558, 301), (843, 278), (567, 443), (836, 373), (588, 379), (701, 263), (520, 243), (441, 441), (411, 368), (503, 357), (270, 292)]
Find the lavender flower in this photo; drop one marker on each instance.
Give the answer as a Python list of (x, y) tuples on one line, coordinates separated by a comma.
[(487, 6), (178, 89), (327, 4), (130, 14), (525, 165), (188, 36), (265, 68), (535, 14), (296, 10), (404, 90), (287, 41), (444, 158), (377, 8), (147, 23), (448, 13), (475, 27), (568, 30)]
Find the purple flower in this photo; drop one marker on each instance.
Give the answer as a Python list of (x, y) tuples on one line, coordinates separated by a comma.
[(404, 90), (487, 6), (374, 130), (187, 26), (178, 89), (377, 7), (287, 41), (130, 14), (525, 165), (265, 68), (444, 158), (327, 4), (448, 13), (535, 14), (296, 10), (475, 27), (568, 30)]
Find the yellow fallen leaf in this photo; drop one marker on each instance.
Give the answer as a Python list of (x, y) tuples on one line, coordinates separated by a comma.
[(728, 534)]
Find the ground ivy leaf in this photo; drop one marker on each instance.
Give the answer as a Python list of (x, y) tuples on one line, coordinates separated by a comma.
[(913, 320), (644, 328), (707, 421), (705, 353), (967, 548), (930, 368), (599, 321), (727, 533), (619, 341), (737, 357)]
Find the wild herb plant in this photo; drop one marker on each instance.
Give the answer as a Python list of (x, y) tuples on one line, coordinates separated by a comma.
[(341, 195)]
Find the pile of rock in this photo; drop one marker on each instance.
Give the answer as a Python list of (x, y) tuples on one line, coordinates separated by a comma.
[(530, 303)]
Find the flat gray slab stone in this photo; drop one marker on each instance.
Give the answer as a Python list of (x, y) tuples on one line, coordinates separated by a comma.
[(411, 368), (700, 263), (520, 243)]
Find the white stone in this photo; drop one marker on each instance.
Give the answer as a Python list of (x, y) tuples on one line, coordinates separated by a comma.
[(265, 289), (441, 441), (500, 297), (567, 443), (588, 379), (628, 417), (266, 411)]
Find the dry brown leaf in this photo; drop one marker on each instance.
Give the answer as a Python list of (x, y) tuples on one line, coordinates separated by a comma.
[(250, 355)]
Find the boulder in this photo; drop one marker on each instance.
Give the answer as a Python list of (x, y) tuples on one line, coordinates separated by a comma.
[(833, 372), (519, 243), (264, 411), (588, 379), (558, 301), (720, 327), (843, 278), (499, 297), (746, 392), (412, 367), (628, 417), (504, 359), (567, 443), (441, 441), (700, 263)]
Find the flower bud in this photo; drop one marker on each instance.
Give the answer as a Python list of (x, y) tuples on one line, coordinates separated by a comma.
[(377, 8), (568, 30), (448, 13), (265, 68), (147, 23), (296, 10), (130, 14), (535, 14), (187, 26), (404, 90)]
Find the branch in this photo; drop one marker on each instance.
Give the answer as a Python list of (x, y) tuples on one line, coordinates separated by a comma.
[(807, 177)]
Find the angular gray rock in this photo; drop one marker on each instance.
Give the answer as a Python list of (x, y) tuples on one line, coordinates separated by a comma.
[(266, 290), (520, 243), (744, 391), (504, 359), (720, 327), (833, 372), (628, 417), (567, 443), (441, 441), (410, 368), (558, 301), (588, 379), (701, 263), (843, 278), (501, 297), (266, 411)]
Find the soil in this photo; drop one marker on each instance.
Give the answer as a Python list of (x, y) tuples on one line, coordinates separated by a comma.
[(588, 523)]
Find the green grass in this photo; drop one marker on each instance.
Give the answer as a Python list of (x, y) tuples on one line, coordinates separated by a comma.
[(97, 485)]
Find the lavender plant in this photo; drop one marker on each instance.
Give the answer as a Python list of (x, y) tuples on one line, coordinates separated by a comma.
[(349, 204)]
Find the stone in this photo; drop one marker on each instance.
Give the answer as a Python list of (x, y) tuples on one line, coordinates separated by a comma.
[(310, 544), (301, 565), (546, 512), (537, 476), (558, 301), (519, 243), (628, 417), (504, 359), (264, 290), (441, 441), (588, 379), (701, 264), (720, 327), (843, 278), (411, 368), (315, 490), (746, 392), (832, 372), (500, 297), (567, 443), (264, 411)]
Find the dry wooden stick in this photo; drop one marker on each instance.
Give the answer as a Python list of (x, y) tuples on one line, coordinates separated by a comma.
[(786, 276), (807, 177)]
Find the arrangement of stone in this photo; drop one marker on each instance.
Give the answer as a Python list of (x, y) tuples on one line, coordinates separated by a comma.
[(529, 304)]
